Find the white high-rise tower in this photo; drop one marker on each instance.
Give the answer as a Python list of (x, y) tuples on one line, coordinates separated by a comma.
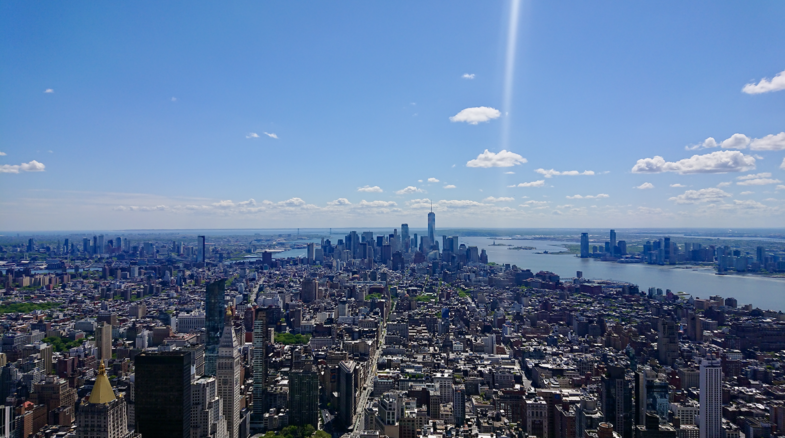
[(711, 398), (228, 376)]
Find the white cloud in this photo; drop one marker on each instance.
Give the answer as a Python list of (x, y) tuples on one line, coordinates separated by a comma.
[(2, 154), (502, 199), (409, 190), (758, 182), (708, 143), (782, 166), (736, 141), (509, 173), (600, 196), (552, 173), (538, 183), (765, 85), (340, 202), (476, 115), (293, 202), (458, 203), (489, 159), (33, 166), (449, 186), (700, 196), (771, 142), (271, 135), (49, 91), (678, 185), (645, 186), (224, 204), (724, 184), (780, 187), (376, 204), (369, 189), (754, 176), (252, 135), (715, 162), (468, 76), (433, 180), (746, 193)]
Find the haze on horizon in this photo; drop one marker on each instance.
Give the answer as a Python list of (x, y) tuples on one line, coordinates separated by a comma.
[(513, 114)]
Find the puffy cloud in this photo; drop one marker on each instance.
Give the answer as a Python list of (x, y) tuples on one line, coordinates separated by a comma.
[(780, 187), (754, 176), (678, 185), (771, 142), (758, 182), (708, 143), (433, 180), (700, 196), (252, 135), (552, 173), (449, 186), (369, 189), (736, 141), (765, 85), (489, 159), (458, 203), (340, 202), (538, 183), (715, 162), (271, 135), (645, 186), (509, 173), (33, 166), (748, 204), (2, 154), (293, 202), (724, 184), (49, 91), (468, 76), (600, 196), (746, 193), (224, 204), (376, 204), (501, 199), (409, 190), (476, 115)]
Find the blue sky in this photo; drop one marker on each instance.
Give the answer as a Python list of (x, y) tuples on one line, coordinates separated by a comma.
[(157, 115)]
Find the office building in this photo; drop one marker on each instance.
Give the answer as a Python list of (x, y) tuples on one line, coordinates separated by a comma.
[(304, 396), (347, 391), (259, 364), (617, 400), (201, 255), (711, 398), (405, 239), (584, 245), (431, 228), (207, 418), (162, 389), (102, 415), (613, 242), (215, 311), (228, 376), (667, 342), (103, 340)]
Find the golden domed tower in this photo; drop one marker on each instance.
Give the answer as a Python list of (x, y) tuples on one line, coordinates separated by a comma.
[(102, 415)]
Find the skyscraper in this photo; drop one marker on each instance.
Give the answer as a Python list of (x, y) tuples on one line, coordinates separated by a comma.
[(207, 419), (304, 396), (101, 245), (102, 415), (405, 244), (163, 394), (259, 368), (201, 256), (347, 392), (711, 398), (617, 400), (613, 242), (584, 245), (667, 342), (431, 227), (103, 340), (214, 309), (228, 376)]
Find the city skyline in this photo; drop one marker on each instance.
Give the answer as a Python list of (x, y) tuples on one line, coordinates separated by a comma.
[(365, 114)]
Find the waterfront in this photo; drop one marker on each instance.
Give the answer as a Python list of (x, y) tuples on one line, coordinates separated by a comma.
[(763, 292)]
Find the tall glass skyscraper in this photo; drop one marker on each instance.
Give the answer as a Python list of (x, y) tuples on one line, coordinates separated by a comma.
[(584, 245), (214, 309), (259, 368), (432, 227)]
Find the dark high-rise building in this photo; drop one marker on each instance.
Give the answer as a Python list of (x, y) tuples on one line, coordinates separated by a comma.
[(432, 227), (613, 241), (667, 342), (162, 390), (259, 368), (760, 255), (346, 392), (666, 245), (584, 245), (201, 255), (617, 400), (215, 311), (304, 397), (405, 243)]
